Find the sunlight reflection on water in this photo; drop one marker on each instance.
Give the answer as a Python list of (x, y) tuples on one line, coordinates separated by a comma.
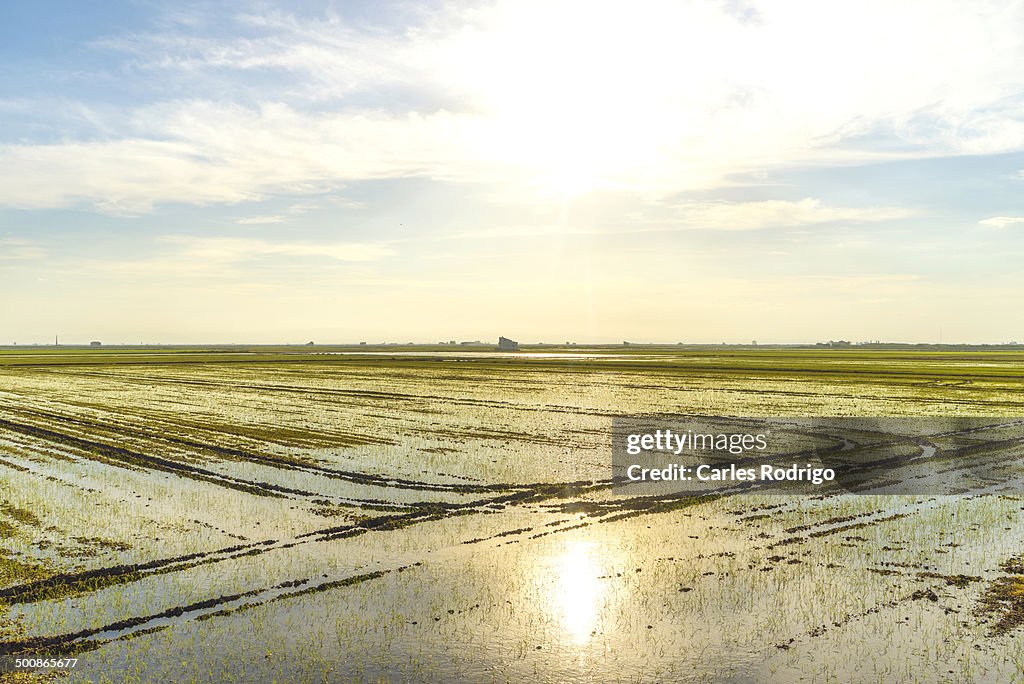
[(580, 592)]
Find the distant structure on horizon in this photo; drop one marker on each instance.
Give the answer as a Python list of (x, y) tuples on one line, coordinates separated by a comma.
[(505, 344), (95, 343)]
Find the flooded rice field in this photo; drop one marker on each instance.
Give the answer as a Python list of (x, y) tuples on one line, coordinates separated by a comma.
[(290, 516)]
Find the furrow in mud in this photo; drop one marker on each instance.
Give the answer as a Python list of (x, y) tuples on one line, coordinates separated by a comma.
[(87, 639), (244, 455), (125, 458)]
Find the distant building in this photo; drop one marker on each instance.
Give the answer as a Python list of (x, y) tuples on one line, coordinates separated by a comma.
[(505, 344), (95, 343), (310, 343)]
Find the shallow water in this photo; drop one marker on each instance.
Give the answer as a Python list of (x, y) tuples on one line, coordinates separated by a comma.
[(337, 520)]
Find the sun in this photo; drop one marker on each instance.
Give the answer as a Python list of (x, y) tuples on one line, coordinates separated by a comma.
[(575, 96)]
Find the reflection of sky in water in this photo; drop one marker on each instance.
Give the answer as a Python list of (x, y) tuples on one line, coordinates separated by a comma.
[(579, 593), (565, 356)]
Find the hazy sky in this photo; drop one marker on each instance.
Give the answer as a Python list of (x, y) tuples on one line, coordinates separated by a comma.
[(553, 170)]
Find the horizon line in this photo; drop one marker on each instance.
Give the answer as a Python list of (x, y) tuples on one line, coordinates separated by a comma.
[(834, 344)]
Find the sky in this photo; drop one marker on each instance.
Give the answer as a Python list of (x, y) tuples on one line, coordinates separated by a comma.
[(719, 171)]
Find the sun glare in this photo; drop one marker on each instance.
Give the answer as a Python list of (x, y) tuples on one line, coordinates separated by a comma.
[(581, 96), (579, 591)]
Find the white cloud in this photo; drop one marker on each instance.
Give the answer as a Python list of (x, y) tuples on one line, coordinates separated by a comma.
[(780, 213), (226, 249), (212, 153), (15, 249), (180, 259), (260, 220), (563, 95), (1002, 221), (685, 216)]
